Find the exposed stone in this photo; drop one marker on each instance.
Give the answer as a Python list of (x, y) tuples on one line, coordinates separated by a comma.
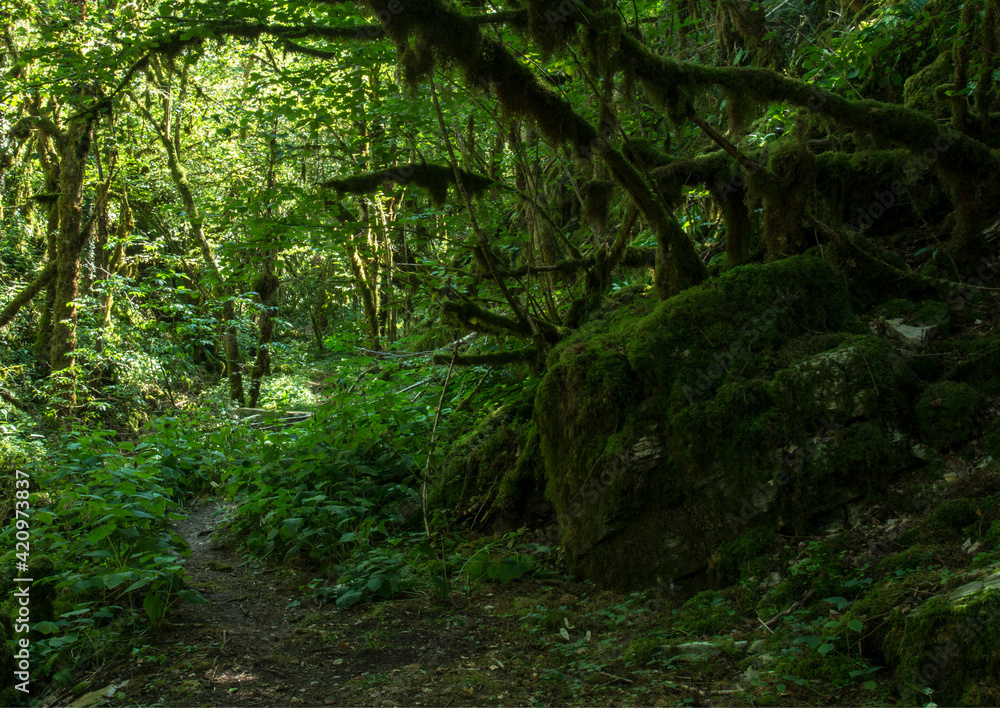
[(693, 651), (668, 430), (913, 335), (976, 586)]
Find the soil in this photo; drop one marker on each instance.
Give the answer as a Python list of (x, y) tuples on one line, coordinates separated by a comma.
[(260, 640)]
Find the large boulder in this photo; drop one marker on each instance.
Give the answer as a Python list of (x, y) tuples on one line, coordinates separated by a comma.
[(666, 428)]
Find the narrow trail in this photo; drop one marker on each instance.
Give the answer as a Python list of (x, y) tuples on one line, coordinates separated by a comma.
[(260, 640)]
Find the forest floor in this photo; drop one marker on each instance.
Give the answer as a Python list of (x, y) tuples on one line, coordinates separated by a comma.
[(261, 641)]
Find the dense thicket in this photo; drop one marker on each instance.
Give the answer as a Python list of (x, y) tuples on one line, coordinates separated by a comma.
[(194, 192), (199, 145)]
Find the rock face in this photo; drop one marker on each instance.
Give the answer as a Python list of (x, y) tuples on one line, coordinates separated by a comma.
[(666, 428)]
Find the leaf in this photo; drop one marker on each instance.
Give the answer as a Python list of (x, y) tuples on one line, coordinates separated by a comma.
[(512, 568), (100, 533), (855, 625), (113, 580), (141, 582), (46, 627), (349, 598), (192, 596), (564, 633), (154, 607), (825, 649), (840, 602)]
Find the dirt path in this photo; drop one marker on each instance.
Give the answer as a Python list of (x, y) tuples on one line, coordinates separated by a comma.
[(260, 642)]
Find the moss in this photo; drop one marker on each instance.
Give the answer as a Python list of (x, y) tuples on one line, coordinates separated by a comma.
[(433, 178), (921, 90), (527, 476), (639, 652), (955, 514), (596, 198), (911, 559), (946, 413), (706, 614), (745, 557), (949, 647), (687, 407), (975, 360), (749, 309), (869, 281), (862, 377), (496, 467), (806, 346)]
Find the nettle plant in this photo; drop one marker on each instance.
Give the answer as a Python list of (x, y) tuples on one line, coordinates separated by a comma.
[(100, 516)]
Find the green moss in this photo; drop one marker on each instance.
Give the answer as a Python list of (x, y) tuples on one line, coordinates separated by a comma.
[(865, 451), (684, 343), (639, 652), (975, 361), (806, 346), (696, 404), (946, 413), (435, 179), (706, 614), (949, 647), (528, 474), (902, 562), (921, 90), (746, 556), (955, 514), (496, 466)]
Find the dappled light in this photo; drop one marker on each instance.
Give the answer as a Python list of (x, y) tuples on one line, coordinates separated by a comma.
[(530, 352)]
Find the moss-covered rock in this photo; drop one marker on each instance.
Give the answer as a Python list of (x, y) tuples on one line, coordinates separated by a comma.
[(946, 413), (670, 432), (948, 645)]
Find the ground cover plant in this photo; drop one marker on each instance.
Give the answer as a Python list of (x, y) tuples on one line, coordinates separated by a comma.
[(522, 352)]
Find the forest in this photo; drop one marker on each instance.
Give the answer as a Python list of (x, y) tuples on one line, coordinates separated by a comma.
[(499, 352)]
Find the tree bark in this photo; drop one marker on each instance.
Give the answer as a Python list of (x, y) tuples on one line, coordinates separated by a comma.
[(28, 294), (69, 244), (267, 291)]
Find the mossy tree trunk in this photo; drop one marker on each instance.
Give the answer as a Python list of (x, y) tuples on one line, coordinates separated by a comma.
[(50, 165), (362, 246), (69, 245)]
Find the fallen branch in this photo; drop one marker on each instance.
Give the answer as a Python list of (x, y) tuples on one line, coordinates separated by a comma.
[(515, 356)]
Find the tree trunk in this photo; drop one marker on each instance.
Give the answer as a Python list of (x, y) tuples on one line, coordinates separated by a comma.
[(69, 244), (267, 290), (50, 165)]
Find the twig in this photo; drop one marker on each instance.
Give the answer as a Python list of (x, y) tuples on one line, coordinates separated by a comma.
[(418, 383), (791, 608), (617, 678), (430, 451)]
